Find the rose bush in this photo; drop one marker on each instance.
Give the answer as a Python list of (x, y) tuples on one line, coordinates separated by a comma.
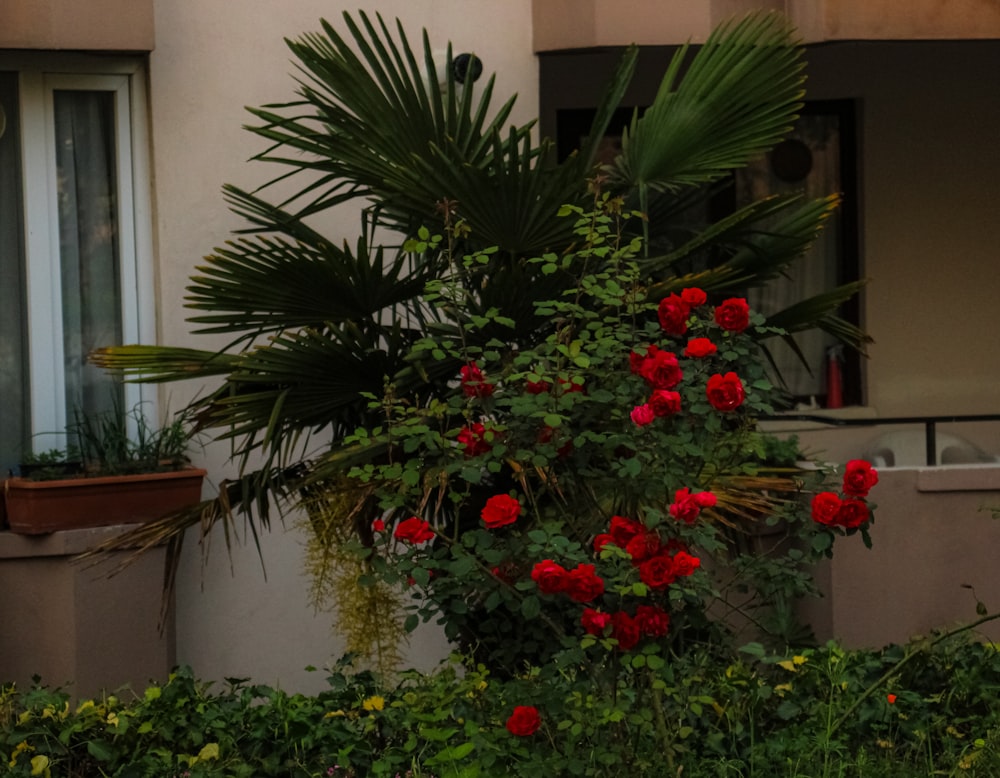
[(593, 494)]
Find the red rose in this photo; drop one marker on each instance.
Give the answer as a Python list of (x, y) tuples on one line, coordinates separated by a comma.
[(643, 546), (473, 382), (673, 313), (506, 572), (473, 438), (660, 368), (413, 530), (657, 572), (891, 699), (826, 508), (594, 622), (852, 513), (725, 392), (685, 564), (642, 415), (699, 348), (378, 525), (601, 541), (625, 630), (664, 402), (550, 577), (653, 621), (733, 314), (537, 387), (524, 721), (568, 387), (685, 506), (859, 478), (583, 585), (706, 500), (623, 530), (500, 510), (693, 296)]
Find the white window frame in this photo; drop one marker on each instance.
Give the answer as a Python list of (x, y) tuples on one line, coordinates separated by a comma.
[(39, 76)]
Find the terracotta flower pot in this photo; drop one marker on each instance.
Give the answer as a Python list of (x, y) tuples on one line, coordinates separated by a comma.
[(37, 507)]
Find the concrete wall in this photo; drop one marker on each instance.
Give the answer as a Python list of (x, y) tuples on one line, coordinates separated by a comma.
[(212, 58), (934, 536)]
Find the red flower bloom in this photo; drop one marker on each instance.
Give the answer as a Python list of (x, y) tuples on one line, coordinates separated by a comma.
[(665, 402), (524, 721), (550, 577), (685, 564), (673, 314), (699, 348), (583, 585), (643, 546), (852, 513), (642, 415), (686, 506), (568, 387), (413, 530), (625, 630), (693, 296), (653, 621), (623, 530), (378, 525), (725, 392), (506, 572), (500, 510), (659, 368), (891, 699), (859, 478), (733, 314), (658, 572), (537, 387), (474, 383), (594, 622), (826, 509), (601, 541), (473, 438)]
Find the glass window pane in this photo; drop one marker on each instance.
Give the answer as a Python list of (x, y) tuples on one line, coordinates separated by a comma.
[(14, 390), (88, 242)]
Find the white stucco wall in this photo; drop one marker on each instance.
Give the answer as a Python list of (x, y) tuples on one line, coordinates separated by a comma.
[(212, 58)]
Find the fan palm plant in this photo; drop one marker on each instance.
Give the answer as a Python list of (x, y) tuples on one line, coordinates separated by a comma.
[(315, 327)]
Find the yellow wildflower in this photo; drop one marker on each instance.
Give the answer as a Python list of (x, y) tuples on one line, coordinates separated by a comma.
[(333, 714), (375, 702)]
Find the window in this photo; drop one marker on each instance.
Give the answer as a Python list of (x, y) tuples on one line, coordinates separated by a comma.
[(819, 157), (75, 240)]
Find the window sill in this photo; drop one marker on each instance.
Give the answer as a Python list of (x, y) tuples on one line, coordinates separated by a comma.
[(799, 425)]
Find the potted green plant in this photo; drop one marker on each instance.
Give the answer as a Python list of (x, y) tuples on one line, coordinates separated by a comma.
[(117, 469)]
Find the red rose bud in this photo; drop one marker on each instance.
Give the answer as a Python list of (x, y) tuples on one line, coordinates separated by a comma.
[(733, 314), (473, 439)]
